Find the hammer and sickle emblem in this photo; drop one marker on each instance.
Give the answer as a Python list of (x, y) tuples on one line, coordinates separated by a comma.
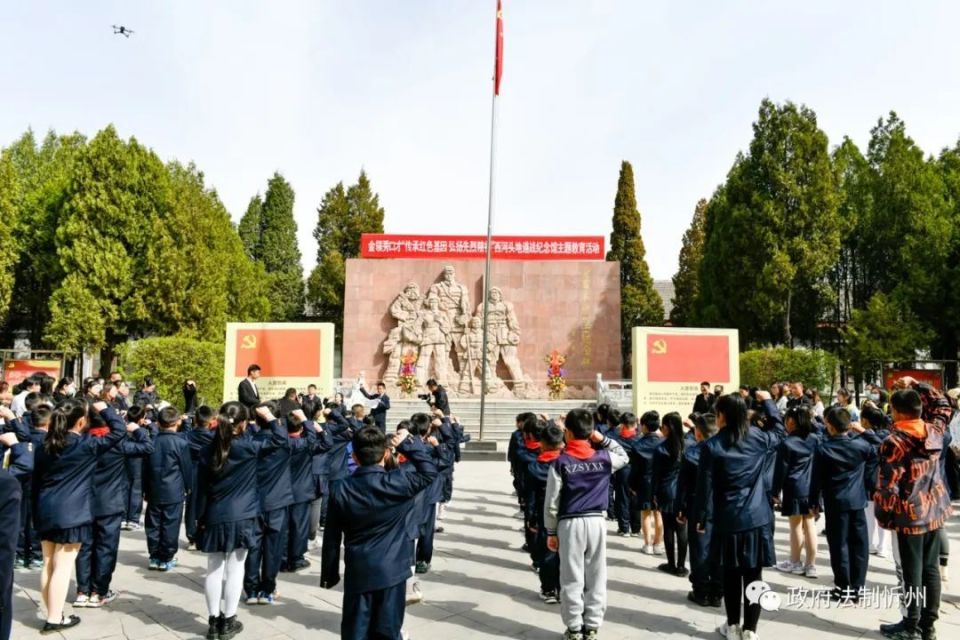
[(249, 341), (659, 347)]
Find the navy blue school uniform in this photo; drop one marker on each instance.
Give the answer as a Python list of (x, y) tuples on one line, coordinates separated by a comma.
[(516, 472), (229, 503), (704, 566), (303, 447), (450, 436), (168, 479), (841, 479), (794, 474), (97, 559), (733, 492), (443, 460), (641, 468), (21, 466), (28, 544), (63, 483), (624, 500), (666, 475), (368, 512), (198, 439), (276, 494), (548, 562), (525, 456), (379, 412), (341, 431)]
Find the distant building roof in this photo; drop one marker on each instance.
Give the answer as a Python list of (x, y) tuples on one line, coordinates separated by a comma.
[(665, 289)]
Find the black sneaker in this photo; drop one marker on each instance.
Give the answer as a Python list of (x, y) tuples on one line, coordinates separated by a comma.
[(666, 567), (302, 563), (573, 634), (928, 634), (715, 601), (423, 567), (682, 572), (902, 630), (590, 634), (65, 623), (230, 627), (698, 598), (213, 627)]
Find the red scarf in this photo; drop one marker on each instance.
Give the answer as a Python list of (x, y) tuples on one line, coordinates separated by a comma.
[(580, 449), (295, 435), (531, 444), (549, 456), (99, 432), (628, 433), (401, 458)]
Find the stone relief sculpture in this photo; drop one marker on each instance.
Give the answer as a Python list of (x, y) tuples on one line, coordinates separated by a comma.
[(447, 340)]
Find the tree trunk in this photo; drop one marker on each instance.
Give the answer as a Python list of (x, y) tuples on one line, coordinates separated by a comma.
[(787, 334)]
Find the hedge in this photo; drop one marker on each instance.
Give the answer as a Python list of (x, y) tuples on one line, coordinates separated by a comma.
[(172, 360), (815, 368)]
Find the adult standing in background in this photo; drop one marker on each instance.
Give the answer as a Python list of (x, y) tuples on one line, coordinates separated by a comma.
[(705, 401), (379, 412), (247, 392)]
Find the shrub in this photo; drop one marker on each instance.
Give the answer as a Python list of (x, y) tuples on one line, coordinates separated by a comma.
[(762, 367), (172, 360)]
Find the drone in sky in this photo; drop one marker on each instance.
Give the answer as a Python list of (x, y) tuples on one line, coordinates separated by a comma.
[(121, 31)]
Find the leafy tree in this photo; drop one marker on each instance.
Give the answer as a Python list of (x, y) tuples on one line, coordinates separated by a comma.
[(9, 197), (686, 282), (816, 368), (269, 234), (774, 232), (343, 216), (640, 304), (171, 360), (885, 331), (251, 227)]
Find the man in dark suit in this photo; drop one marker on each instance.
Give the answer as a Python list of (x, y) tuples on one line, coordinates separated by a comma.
[(379, 412), (247, 392), (310, 402), (439, 396), (705, 401)]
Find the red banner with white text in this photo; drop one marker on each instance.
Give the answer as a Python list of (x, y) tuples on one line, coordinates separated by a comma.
[(379, 245)]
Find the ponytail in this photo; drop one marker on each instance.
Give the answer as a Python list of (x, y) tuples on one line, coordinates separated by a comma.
[(734, 411), (675, 436), (232, 415), (62, 420)]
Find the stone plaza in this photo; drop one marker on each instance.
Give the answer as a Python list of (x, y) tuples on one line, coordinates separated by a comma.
[(480, 586)]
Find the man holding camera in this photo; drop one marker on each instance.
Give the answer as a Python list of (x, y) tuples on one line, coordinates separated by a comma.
[(439, 397)]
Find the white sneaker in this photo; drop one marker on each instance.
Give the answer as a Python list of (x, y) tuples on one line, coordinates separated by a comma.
[(874, 550), (944, 575), (647, 549), (730, 632), (415, 594), (810, 571), (749, 635), (799, 569), (82, 601), (787, 566), (658, 550)]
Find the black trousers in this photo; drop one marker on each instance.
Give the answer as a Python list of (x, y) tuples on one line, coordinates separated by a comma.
[(97, 560), (624, 503), (10, 498), (920, 563), (674, 540), (849, 548), (190, 512), (548, 561), (28, 542), (704, 566), (425, 541), (163, 530), (375, 615), (735, 582), (298, 530), (135, 494), (263, 561)]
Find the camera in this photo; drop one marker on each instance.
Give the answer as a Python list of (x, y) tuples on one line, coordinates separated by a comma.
[(424, 396)]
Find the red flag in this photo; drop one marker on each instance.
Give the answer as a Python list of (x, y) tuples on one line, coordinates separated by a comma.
[(688, 358), (498, 65)]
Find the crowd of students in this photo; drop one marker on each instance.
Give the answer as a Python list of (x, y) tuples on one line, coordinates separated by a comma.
[(250, 485), (709, 484)]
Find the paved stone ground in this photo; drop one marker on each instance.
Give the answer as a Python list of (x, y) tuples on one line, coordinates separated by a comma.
[(480, 587)]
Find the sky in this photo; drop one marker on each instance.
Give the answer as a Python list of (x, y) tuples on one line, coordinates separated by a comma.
[(319, 90)]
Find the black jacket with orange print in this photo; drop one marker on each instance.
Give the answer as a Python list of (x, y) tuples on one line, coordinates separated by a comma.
[(911, 493)]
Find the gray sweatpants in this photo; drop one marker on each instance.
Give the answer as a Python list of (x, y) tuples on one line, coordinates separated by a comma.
[(583, 571)]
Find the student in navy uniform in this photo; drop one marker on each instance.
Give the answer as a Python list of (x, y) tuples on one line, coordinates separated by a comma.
[(368, 512), (168, 479), (733, 495), (428, 429), (525, 454), (667, 459), (229, 506), (199, 436), (641, 482), (97, 559), (516, 470), (792, 483), (65, 467), (335, 464), (136, 414), (877, 428), (319, 477), (305, 442), (276, 494), (707, 589), (27, 545), (379, 412), (20, 469), (625, 499), (547, 561), (840, 478)]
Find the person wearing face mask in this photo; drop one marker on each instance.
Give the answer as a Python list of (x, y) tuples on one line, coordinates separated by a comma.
[(65, 389)]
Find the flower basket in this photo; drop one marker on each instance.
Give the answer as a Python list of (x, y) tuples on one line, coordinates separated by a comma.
[(407, 381), (556, 374)]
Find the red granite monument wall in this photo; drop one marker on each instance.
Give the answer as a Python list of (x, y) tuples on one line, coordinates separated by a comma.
[(570, 306)]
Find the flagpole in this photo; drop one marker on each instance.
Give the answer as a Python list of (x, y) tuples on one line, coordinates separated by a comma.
[(498, 67)]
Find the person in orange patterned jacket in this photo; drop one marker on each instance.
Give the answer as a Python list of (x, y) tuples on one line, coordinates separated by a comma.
[(912, 499)]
